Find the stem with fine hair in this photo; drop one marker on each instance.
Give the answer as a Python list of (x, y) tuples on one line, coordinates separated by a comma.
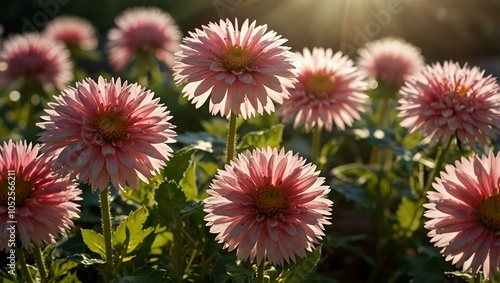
[(106, 227), (24, 268), (37, 253), (316, 144), (260, 271), (231, 138)]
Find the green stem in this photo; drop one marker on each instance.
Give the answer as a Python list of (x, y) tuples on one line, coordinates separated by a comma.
[(381, 120), (260, 272), (24, 267), (37, 252), (421, 197), (142, 68), (106, 227), (178, 255), (316, 144), (437, 168), (231, 138)]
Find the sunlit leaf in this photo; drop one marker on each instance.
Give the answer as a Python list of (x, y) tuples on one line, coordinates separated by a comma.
[(296, 273), (60, 269), (408, 216), (188, 182), (94, 241), (130, 233), (261, 139)]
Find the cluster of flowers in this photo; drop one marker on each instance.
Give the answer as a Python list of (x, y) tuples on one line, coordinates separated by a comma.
[(267, 203)]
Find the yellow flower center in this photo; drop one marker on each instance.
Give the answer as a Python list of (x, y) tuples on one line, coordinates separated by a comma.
[(319, 85), (462, 90), (236, 58), (270, 200), (21, 190), (111, 125), (488, 212)]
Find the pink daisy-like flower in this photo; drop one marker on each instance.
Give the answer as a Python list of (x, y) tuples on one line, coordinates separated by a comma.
[(143, 29), (33, 199), (108, 130), (448, 100), (390, 60), (268, 203), (72, 31), (33, 58), (464, 214), (329, 90), (242, 70)]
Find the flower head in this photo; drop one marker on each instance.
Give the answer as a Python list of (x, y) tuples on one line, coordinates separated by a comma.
[(268, 203), (41, 203), (464, 213), (107, 130), (143, 29), (33, 58), (242, 70), (329, 90), (448, 100), (72, 31), (390, 60)]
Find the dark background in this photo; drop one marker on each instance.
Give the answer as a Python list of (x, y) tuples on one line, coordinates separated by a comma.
[(461, 30)]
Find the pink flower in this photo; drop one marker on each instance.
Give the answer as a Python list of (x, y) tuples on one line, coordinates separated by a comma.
[(33, 58), (268, 203), (464, 214), (242, 70), (33, 199), (390, 60), (143, 29), (107, 130), (329, 90), (72, 31), (447, 100)]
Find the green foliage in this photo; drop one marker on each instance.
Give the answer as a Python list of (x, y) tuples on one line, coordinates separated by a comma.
[(171, 200), (240, 272), (130, 234), (144, 274), (408, 217), (296, 273), (145, 194), (260, 139), (62, 270), (94, 241)]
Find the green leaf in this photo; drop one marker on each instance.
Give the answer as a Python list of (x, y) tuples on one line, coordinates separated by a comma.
[(171, 200), (347, 243), (144, 274), (130, 234), (261, 139), (68, 278), (83, 259), (353, 192), (179, 164), (204, 141), (94, 241), (60, 269), (145, 194), (189, 208), (300, 270), (188, 182), (408, 216), (216, 126), (240, 272)]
